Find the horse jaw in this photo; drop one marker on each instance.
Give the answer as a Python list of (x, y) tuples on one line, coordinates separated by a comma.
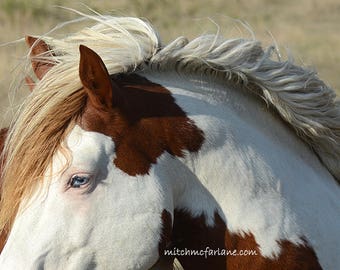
[(114, 223)]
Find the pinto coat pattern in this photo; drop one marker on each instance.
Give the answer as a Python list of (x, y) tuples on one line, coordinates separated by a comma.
[(208, 143)]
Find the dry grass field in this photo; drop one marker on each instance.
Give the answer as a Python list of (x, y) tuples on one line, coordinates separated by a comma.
[(309, 29)]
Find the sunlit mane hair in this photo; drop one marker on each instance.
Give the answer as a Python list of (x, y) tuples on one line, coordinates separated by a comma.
[(130, 44)]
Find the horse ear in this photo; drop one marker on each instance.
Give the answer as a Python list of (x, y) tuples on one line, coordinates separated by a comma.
[(96, 79), (30, 83), (39, 49)]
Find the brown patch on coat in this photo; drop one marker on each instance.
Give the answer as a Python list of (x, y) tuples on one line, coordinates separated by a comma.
[(143, 122), (140, 116), (193, 233), (166, 233), (165, 241)]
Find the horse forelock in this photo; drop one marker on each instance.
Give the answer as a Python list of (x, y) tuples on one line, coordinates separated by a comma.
[(29, 149)]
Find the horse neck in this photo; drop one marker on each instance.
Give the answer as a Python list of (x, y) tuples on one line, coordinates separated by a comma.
[(250, 163), (241, 129)]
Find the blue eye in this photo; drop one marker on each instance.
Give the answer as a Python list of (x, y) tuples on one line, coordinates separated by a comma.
[(79, 180)]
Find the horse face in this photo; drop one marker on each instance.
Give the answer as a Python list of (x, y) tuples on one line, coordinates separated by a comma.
[(89, 213)]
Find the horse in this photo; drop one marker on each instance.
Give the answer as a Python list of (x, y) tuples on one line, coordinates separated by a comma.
[(128, 153)]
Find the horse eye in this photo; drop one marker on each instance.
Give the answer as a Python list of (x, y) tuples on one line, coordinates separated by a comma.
[(79, 180)]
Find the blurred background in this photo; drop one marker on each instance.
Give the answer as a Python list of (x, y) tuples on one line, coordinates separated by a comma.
[(308, 29)]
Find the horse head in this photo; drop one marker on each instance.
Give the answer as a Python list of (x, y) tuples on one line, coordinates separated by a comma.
[(103, 203)]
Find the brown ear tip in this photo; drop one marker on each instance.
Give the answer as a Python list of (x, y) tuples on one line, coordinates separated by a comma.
[(30, 40), (83, 48)]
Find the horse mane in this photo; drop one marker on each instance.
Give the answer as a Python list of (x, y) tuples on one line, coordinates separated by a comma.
[(304, 101), (130, 44)]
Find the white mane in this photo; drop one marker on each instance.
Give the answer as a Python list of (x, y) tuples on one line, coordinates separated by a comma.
[(128, 44)]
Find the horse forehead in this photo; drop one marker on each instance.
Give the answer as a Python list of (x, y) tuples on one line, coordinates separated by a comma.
[(85, 144)]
